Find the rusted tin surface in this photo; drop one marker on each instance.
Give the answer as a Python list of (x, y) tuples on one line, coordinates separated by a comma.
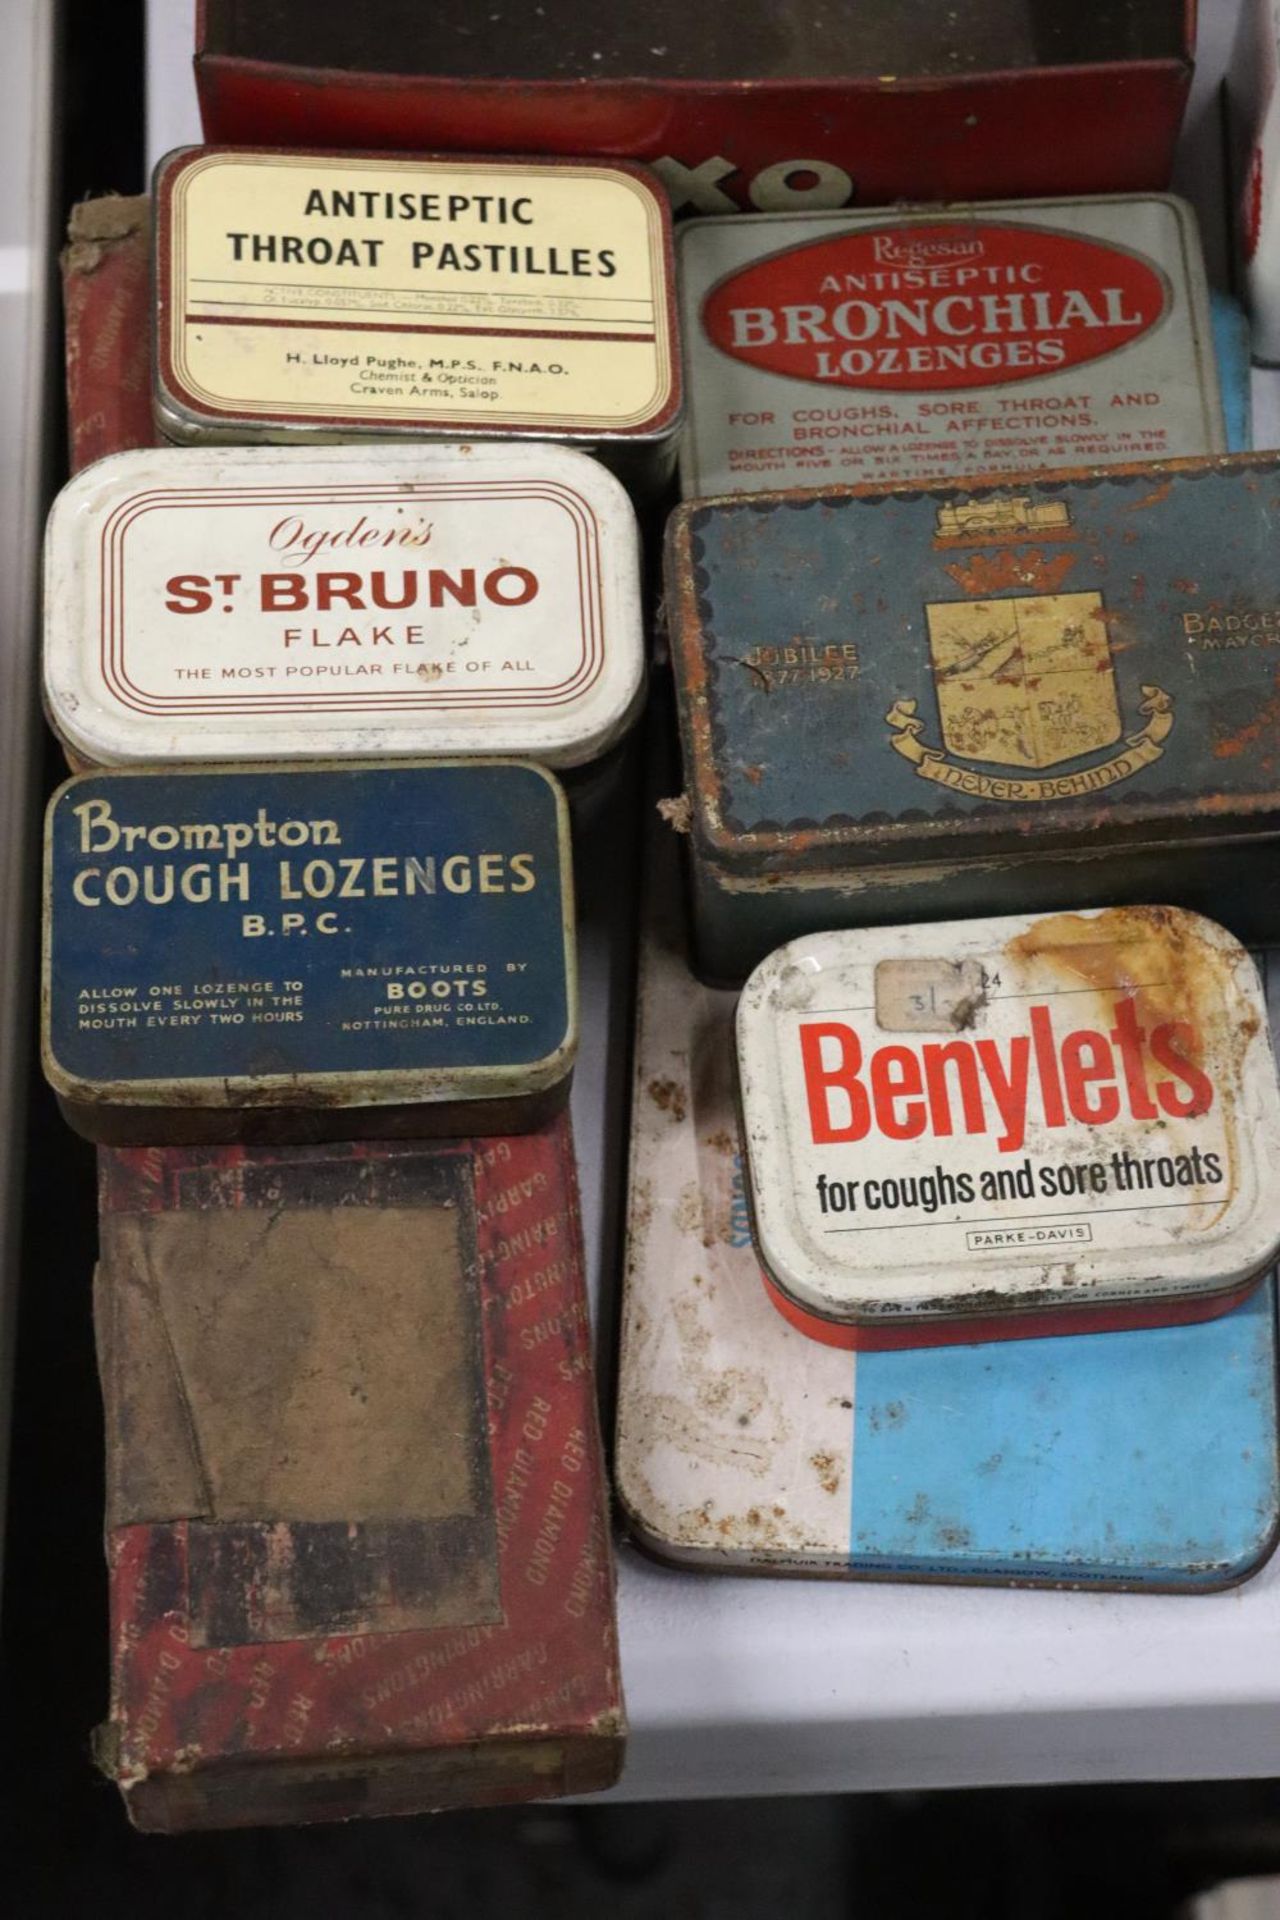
[(357, 1542), (1040, 693), (329, 952), (291, 603), (1002, 1128), (738, 103), (884, 347), (325, 295), (1135, 1459)]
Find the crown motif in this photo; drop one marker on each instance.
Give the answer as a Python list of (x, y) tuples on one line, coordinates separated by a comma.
[(1025, 568)]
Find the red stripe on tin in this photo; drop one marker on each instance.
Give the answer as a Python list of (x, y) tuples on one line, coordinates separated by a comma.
[(897, 1336), (388, 326)]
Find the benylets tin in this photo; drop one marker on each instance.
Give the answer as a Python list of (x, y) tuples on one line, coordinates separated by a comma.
[(1048, 692), (337, 602), (743, 1446), (1002, 1128), (336, 951), (886, 347), (314, 295)]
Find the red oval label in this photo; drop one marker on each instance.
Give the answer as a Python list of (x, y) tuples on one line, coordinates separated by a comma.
[(934, 306), (1253, 205)]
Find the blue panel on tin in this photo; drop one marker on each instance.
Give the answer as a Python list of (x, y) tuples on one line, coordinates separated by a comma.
[(1145, 1458), (1231, 351), (925, 667), (357, 921)]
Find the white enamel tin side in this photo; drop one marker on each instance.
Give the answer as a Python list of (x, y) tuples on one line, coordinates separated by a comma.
[(278, 603), (1018, 1125)]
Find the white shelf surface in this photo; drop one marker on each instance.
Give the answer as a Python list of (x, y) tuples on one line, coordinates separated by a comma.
[(26, 273), (741, 1686)]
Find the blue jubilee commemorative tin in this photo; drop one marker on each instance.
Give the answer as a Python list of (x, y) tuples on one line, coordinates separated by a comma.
[(990, 697), (337, 951)]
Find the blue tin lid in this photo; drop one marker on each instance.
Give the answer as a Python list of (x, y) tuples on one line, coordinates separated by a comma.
[(1044, 664), (1144, 1459), (347, 935)]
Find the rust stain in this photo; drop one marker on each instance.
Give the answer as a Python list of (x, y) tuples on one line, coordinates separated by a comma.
[(1266, 720), (760, 1530), (688, 1210), (1153, 499), (1153, 955), (827, 1468), (985, 573), (641, 1208), (670, 1097), (1157, 958)]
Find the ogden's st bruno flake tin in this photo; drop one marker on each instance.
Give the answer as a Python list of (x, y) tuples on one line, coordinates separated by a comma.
[(282, 603), (331, 294), (1049, 692), (886, 346), (287, 954), (1010, 1127), (1143, 1459)]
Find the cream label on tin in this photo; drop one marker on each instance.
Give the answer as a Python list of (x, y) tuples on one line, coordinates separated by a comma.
[(449, 598), (1074, 1105), (312, 287)]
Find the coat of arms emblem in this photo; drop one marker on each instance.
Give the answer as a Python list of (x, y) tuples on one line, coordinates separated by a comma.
[(1024, 681)]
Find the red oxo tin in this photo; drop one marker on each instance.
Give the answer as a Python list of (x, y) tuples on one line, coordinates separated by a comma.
[(737, 103)]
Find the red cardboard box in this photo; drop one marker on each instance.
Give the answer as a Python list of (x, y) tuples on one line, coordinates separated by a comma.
[(106, 292), (737, 103), (356, 1520)]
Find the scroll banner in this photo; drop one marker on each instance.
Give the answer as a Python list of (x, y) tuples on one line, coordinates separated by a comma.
[(931, 763)]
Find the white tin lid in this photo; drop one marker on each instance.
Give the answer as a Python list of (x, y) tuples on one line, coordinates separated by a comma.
[(282, 603), (997, 1116)]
